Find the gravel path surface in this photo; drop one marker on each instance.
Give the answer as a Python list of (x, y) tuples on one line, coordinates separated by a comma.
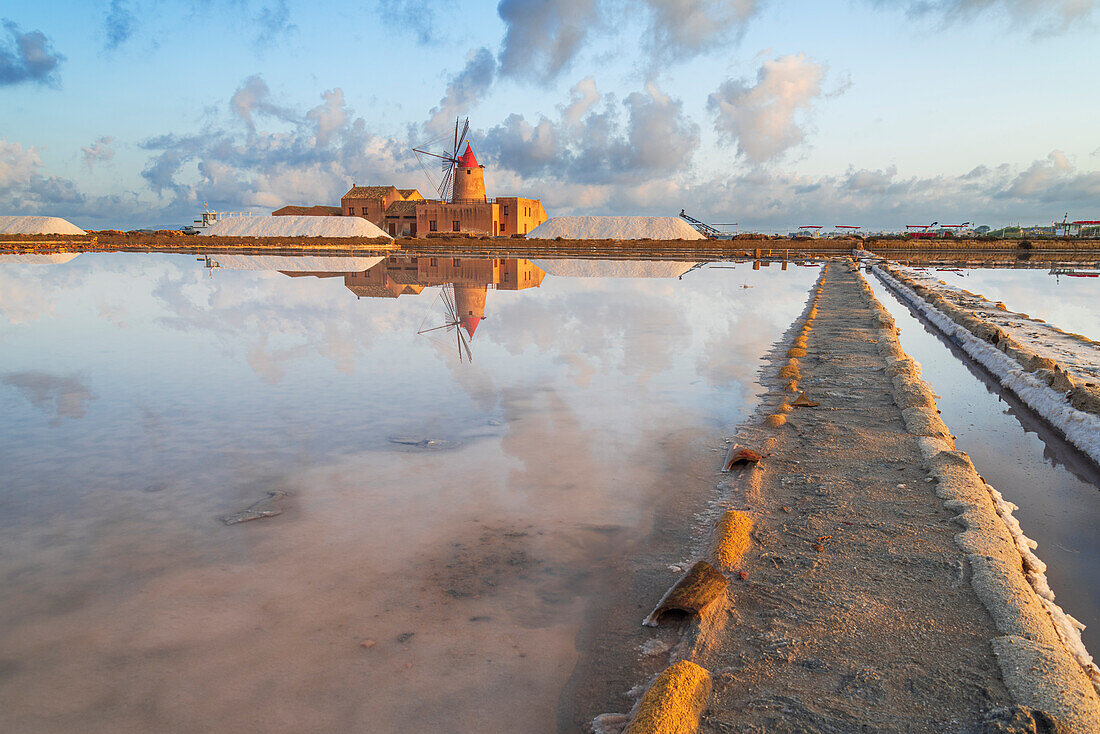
[(857, 612)]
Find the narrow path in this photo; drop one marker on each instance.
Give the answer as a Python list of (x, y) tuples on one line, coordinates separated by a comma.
[(857, 612)]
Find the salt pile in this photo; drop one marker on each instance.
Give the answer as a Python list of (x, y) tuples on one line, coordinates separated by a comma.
[(38, 225), (613, 268), (291, 264), (294, 227), (615, 228)]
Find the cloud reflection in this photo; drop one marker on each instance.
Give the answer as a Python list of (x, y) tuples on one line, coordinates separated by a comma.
[(62, 396)]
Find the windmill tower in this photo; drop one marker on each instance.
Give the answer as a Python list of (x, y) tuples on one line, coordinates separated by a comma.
[(469, 180), (462, 178)]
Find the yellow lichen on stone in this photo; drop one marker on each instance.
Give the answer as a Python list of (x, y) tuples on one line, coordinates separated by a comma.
[(731, 539), (675, 701)]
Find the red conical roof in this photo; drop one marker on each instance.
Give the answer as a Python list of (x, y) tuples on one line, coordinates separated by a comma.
[(469, 323), (467, 160)]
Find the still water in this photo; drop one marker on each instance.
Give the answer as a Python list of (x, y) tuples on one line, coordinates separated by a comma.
[(1056, 487), (451, 502)]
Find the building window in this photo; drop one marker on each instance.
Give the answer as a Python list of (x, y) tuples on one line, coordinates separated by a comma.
[(432, 228), (505, 277), (502, 227), (351, 210), (456, 262), (456, 226), (505, 209), (433, 262)]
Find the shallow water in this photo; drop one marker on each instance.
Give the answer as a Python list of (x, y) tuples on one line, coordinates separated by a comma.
[(1069, 303), (442, 525), (1055, 486)]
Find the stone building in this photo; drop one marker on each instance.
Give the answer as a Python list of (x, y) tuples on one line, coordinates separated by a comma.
[(471, 211), (405, 213)]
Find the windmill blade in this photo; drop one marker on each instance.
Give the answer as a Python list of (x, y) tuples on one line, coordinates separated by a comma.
[(464, 344), (462, 137), (446, 184)]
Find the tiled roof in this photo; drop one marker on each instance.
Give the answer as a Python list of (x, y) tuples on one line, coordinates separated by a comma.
[(398, 208), (318, 210), (406, 193), (368, 192)]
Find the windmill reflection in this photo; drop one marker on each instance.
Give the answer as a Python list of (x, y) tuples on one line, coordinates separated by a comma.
[(464, 282)]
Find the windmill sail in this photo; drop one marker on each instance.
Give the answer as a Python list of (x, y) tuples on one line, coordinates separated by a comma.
[(444, 321), (449, 159)]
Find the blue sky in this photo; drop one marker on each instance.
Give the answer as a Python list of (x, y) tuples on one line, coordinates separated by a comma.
[(772, 113)]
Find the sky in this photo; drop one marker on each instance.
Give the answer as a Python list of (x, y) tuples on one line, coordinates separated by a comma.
[(769, 113)]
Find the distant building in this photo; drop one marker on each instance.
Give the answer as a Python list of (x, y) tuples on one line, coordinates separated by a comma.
[(471, 211), (405, 213)]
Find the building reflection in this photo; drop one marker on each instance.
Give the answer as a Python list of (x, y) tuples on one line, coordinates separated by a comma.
[(471, 279)]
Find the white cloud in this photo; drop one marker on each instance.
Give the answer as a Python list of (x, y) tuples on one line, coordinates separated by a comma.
[(683, 28), (761, 117), (100, 150)]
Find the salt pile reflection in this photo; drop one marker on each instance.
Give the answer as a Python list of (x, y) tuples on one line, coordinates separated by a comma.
[(400, 588)]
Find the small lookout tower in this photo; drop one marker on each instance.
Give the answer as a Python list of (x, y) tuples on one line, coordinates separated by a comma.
[(469, 179)]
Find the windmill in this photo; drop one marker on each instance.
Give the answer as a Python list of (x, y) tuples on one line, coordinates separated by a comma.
[(451, 321), (449, 160)]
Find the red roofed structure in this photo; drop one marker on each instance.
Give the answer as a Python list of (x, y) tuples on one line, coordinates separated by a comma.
[(467, 159)]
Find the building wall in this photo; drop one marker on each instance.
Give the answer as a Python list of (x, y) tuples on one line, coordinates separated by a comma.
[(518, 274), (475, 217), (519, 215), (469, 184), (373, 209), (459, 270)]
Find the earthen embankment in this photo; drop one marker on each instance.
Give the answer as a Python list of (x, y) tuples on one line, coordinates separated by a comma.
[(884, 585)]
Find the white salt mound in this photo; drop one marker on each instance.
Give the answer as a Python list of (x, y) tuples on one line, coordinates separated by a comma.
[(615, 228), (613, 268), (292, 264), (294, 227), (38, 225)]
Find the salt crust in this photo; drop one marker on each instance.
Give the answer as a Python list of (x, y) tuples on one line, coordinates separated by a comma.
[(38, 225), (615, 228), (294, 227), (613, 268), (993, 578)]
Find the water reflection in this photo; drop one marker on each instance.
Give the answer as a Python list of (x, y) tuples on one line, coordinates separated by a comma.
[(469, 568)]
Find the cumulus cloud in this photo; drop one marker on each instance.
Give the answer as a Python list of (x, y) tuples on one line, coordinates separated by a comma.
[(28, 57), (543, 36), (100, 150), (464, 90), (23, 186), (760, 117), (325, 149), (118, 24), (591, 143), (683, 28), (254, 97), (1053, 180), (1043, 16), (62, 396)]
